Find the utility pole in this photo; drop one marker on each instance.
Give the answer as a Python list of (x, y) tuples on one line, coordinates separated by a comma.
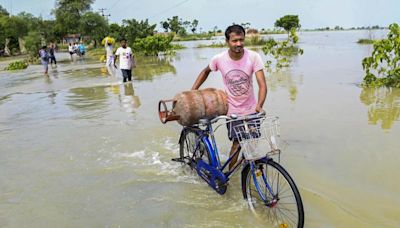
[(102, 10)]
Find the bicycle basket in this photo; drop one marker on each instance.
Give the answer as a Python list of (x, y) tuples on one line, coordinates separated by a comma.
[(257, 137)]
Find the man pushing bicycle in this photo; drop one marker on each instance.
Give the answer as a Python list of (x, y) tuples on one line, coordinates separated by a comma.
[(237, 66)]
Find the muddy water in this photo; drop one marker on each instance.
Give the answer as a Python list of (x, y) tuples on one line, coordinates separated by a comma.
[(78, 149)]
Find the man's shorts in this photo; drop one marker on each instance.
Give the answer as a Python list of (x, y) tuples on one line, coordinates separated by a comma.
[(127, 74), (236, 124)]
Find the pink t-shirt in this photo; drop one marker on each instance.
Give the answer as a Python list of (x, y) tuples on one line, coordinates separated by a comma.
[(238, 80)]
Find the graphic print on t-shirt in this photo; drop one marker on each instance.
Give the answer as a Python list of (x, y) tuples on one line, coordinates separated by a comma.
[(237, 82)]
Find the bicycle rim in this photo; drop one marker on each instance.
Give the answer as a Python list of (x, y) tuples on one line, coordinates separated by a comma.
[(191, 150), (276, 198)]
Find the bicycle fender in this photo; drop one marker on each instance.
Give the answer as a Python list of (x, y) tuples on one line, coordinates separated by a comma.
[(247, 166)]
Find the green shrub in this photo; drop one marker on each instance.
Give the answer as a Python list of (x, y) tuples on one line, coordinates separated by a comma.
[(17, 65), (213, 45), (153, 45), (282, 51), (254, 40), (365, 41), (382, 68), (33, 43)]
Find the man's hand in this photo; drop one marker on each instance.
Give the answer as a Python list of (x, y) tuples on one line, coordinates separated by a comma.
[(259, 109)]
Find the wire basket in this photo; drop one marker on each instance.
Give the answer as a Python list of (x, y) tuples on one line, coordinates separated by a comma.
[(258, 137)]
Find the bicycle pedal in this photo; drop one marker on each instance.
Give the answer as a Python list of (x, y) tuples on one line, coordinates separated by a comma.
[(178, 160)]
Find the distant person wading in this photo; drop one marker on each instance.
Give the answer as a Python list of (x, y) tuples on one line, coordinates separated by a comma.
[(126, 60)]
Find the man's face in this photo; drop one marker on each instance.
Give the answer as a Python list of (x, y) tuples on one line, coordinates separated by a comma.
[(236, 42), (123, 44)]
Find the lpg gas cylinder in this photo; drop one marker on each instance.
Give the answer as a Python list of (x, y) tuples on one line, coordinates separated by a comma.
[(189, 107)]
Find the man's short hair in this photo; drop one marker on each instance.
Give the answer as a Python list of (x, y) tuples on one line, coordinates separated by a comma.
[(123, 39), (238, 29)]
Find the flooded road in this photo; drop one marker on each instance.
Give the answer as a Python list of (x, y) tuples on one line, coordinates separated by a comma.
[(79, 149)]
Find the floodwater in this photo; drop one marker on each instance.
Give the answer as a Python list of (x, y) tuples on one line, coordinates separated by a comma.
[(79, 149)]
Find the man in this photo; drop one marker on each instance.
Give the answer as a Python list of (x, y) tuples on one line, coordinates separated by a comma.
[(109, 55), (71, 50), (52, 55), (44, 58), (126, 60), (82, 48), (237, 66)]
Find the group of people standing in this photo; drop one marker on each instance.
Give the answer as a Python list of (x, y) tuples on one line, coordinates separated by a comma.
[(125, 56), (75, 48)]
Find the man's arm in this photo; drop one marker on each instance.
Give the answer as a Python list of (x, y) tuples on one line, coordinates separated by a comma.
[(262, 89), (201, 78), (115, 60)]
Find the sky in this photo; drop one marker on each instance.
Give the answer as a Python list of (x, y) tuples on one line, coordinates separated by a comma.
[(222, 13)]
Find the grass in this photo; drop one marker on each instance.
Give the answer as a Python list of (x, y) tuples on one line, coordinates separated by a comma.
[(365, 41), (204, 36)]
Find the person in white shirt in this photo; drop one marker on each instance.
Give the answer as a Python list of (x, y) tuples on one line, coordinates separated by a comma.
[(109, 56), (70, 50), (126, 60)]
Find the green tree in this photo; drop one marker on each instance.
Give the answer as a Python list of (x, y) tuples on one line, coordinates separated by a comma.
[(32, 22), (165, 25), (174, 24), (33, 43), (288, 22), (152, 45), (68, 15), (194, 25), (115, 31), (12, 28), (94, 26), (282, 51), (382, 68), (133, 29), (3, 11), (46, 28)]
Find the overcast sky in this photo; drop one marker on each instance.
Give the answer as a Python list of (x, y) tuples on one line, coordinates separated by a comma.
[(221, 13)]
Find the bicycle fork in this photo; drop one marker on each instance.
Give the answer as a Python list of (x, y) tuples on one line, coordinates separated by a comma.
[(260, 172)]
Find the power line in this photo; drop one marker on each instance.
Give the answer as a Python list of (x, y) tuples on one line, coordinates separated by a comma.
[(115, 3), (168, 9)]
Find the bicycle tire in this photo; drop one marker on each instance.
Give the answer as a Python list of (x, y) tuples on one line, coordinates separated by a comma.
[(277, 208), (187, 147)]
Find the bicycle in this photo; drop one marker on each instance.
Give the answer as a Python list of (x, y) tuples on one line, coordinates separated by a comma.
[(266, 185)]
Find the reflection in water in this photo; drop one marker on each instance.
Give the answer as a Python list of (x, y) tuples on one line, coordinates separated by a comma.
[(126, 96), (285, 80), (383, 105), (150, 66), (86, 99), (52, 96)]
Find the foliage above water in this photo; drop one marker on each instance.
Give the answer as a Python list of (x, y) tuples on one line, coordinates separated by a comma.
[(153, 45), (365, 41), (382, 68), (288, 22), (282, 51), (33, 43), (17, 65)]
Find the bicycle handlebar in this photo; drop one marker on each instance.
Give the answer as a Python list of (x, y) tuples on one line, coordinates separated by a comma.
[(235, 117)]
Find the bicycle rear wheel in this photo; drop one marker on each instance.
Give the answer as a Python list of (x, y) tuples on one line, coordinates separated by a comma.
[(191, 148), (271, 192)]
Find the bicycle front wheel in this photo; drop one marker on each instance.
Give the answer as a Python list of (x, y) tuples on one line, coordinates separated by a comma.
[(271, 192)]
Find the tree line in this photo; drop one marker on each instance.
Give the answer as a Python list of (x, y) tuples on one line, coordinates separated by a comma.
[(77, 17)]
